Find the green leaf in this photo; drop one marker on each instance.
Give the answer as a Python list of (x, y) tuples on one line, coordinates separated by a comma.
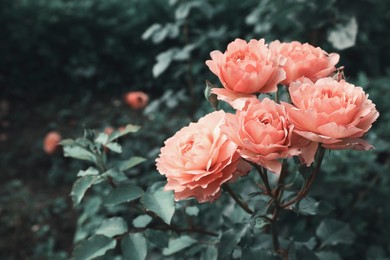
[(89, 171), (118, 133), (157, 238), (102, 138), (333, 232), (122, 193), (80, 153), (212, 98), (309, 206), (115, 147), (151, 30), (211, 253), (142, 221), (133, 161), (115, 174), (95, 246), (81, 186), (192, 211), (160, 202), (112, 227), (230, 239), (344, 35), (134, 246), (164, 59), (257, 253), (67, 142), (178, 244), (327, 256)]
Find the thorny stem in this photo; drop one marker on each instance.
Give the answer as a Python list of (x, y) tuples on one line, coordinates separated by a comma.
[(240, 203)]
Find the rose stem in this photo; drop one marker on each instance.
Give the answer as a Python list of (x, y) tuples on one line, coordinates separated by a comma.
[(306, 188), (240, 203)]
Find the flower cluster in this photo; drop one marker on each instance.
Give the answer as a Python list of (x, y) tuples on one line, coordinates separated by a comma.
[(322, 110)]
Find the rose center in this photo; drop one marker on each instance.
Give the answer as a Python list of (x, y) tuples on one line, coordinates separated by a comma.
[(187, 146), (239, 56)]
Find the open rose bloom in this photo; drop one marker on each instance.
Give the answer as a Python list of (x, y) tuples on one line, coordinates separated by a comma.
[(336, 114), (304, 60), (262, 132), (199, 158), (245, 68)]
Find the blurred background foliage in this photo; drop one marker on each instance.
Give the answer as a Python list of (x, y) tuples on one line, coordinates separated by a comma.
[(66, 64)]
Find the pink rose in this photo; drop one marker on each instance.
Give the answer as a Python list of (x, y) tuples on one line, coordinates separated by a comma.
[(199, 158), (262, 132), (334, 113), (247, 68), (137, 99), (50, 143), (304, 60)]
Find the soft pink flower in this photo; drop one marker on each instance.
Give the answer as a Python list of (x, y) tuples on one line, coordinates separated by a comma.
[(50, 143), (247, 68), (137, 99), (334, 113), (199, 158), (262, 132), (304, 60)]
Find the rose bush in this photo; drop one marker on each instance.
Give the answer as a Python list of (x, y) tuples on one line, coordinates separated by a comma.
[(199, 158)]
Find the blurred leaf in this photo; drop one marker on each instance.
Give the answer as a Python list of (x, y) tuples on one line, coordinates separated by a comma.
[(118, 133), (211, 253), (80, 153), (133, 161), (261, 222), (192, 211), (142, 221), (123, 193), (257, 253), (160, 202), (151, 30), (184, 53), (89, 171), (102, 138), (67, 142), (95, 246), (163, 61), (333, 232), (183, 10), (134, 246), (344, 35), (328, 256), (230, 239), (115, 147), (212, 98), (309, 206), (117, 175), (178, 244), (81, 186), (157, 238), (112, 227)]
